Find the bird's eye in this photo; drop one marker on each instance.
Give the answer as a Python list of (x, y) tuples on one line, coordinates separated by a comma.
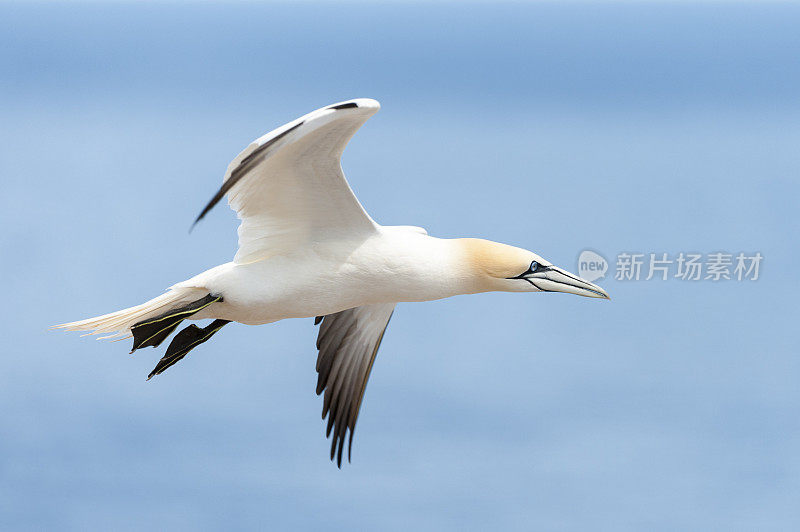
[(534, 267)]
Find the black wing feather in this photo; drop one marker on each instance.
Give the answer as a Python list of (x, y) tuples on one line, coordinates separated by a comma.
[(348, 342)]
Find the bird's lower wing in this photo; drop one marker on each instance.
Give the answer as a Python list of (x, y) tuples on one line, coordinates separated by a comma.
[(348, 342)]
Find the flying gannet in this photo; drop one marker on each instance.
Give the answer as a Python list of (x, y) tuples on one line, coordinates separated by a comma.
[(307, 248)]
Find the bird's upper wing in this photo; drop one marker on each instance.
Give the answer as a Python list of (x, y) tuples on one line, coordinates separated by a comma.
[(348, 342), (288, 187)]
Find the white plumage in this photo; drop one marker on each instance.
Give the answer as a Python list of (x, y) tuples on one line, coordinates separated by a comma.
[(308, 248)]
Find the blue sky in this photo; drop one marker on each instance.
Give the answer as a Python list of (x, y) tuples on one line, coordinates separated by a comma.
[(556, 127)]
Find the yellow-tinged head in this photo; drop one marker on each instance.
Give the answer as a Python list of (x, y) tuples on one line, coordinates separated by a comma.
[(504, 268)]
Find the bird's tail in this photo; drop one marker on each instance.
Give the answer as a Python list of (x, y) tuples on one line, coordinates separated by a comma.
[(118, 324)]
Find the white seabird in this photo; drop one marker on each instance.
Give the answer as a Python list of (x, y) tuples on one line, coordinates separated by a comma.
[(307, 248)]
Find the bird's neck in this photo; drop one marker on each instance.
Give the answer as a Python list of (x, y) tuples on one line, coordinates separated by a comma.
[(417, 267)]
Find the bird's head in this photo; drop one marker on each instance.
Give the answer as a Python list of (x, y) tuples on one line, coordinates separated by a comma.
[(503, 268)]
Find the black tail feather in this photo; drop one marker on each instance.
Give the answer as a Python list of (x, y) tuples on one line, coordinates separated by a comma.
[(185, 341), (151, 332)]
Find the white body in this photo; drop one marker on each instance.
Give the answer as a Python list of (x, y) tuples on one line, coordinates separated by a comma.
[(394, 264)]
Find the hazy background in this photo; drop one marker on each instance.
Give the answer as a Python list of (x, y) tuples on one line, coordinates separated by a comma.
[(555, 127)]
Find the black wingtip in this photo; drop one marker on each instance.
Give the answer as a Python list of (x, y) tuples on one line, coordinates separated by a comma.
[(340, 449), (350, 445), (237, 173), (205, 210), (348, 105)]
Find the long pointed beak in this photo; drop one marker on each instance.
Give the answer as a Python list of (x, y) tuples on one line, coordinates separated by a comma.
[(554, 279)]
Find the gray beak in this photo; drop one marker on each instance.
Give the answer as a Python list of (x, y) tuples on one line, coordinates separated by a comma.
[(554, 279)]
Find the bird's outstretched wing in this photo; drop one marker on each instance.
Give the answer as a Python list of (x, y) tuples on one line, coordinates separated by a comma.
[(288, 187), (348, 342)]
